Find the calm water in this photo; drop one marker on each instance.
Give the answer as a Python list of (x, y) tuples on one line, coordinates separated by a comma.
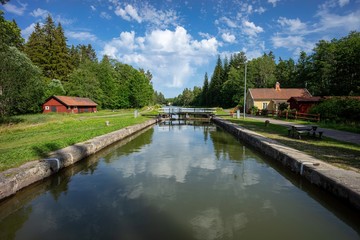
[(176, 182)]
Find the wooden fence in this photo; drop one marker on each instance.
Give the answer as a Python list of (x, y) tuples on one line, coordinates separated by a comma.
[(290, 115)]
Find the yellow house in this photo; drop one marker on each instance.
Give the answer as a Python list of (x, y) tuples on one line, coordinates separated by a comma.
[(270, 98)]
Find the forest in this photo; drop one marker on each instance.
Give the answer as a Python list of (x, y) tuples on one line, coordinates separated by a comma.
[(45, 66), (332, 69)]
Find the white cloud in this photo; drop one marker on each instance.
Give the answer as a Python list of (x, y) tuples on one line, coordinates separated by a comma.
[(40, 13), (128, 13), (171, 56), (27, 31), (292, 43), (251, 29), (81, 36), (227, 21), (105, 15), (343, 2), (273, 2), (15, 9), (227, 37), (330, 21), (294, 25), (93, 8)]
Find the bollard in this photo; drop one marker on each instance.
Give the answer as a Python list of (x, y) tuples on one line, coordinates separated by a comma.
[(135, 114), (238, 114)]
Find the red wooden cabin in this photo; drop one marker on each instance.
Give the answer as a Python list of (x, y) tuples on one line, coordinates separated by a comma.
[(303, 104), (65, 104)]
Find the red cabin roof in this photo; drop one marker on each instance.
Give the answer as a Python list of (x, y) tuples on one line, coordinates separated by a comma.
[(75, 101)]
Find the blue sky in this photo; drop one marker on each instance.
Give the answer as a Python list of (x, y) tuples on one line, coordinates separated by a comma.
[(178, 41)]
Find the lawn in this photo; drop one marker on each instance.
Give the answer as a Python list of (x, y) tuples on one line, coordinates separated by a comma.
[(38, 134), (341, 154)]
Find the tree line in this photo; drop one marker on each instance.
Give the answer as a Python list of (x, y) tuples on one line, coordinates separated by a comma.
[(44, 66), (332, 69)]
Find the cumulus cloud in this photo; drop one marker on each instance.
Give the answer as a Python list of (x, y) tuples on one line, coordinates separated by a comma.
[(251, 29), (293, 25), (147, 14), (170, 55), (227, 37), (292, 43), (40, 13), (93, 8), (11, 8)]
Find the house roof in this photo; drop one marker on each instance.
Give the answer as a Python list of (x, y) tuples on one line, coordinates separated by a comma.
[(305, 99), (278, 94), (75, 101)]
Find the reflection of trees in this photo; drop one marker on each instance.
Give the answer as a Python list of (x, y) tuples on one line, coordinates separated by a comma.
[(14, 222), (133, 145), (225, 145)]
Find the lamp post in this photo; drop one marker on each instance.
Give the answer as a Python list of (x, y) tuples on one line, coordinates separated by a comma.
[(245, 89)]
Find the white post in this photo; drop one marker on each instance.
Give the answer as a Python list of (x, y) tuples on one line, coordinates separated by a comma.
[(245, 89), (238, 114), (135, 114)]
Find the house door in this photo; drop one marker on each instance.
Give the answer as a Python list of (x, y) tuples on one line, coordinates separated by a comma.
[(53, 108)]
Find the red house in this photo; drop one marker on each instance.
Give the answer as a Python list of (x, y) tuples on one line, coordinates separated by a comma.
[(303, 104), (64, 104)]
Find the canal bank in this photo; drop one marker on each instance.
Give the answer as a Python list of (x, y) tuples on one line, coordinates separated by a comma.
[(13, 180), (344, 184)]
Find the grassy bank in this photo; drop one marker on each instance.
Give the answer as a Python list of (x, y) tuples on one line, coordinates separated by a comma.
[(338, 153), (36, 135)]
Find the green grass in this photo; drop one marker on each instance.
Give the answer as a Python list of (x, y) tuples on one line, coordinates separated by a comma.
[(338, 153), (38, 134)]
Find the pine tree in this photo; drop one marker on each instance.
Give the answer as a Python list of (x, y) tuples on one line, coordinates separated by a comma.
[(205, 91), (215, 84)]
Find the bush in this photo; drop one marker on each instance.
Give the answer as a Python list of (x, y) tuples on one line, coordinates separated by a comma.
[(338, 109)]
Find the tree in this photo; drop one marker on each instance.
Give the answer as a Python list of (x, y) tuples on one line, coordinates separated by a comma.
[(10, 33), (55, 87), (263, 71), (205, 91), (21, 87), (215, 84), (233, 88), (303, 67), (83, 82), (46, 47), (285, 73)]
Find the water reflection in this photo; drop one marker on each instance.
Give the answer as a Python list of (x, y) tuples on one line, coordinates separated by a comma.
[(171, 182)]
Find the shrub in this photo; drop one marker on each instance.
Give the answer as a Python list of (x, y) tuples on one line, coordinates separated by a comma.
[(338, 109)]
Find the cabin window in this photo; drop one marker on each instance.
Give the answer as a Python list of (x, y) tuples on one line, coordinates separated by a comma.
[(47, 108), (265, 105)]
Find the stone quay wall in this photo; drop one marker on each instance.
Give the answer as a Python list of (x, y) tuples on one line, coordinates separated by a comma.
[(14, 179), (344, 184)]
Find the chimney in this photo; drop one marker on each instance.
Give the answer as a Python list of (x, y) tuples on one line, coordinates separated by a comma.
[(277, 86)]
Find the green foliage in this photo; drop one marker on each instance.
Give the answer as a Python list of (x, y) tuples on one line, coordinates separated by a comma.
[(55, 87), (21, 87), (338, 109), (10, 33)]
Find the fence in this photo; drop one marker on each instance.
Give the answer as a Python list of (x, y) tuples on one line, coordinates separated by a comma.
[(290, 115)]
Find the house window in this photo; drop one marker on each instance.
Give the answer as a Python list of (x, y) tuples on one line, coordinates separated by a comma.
[(264, 106), (47, 108)]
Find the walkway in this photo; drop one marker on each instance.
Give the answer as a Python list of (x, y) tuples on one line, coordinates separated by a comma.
[(331, 133)]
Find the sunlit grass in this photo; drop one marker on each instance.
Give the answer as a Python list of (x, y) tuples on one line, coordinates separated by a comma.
[(38, 134), (342, 154)]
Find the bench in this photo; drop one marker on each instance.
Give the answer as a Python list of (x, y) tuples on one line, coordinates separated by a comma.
[(299, 132)]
